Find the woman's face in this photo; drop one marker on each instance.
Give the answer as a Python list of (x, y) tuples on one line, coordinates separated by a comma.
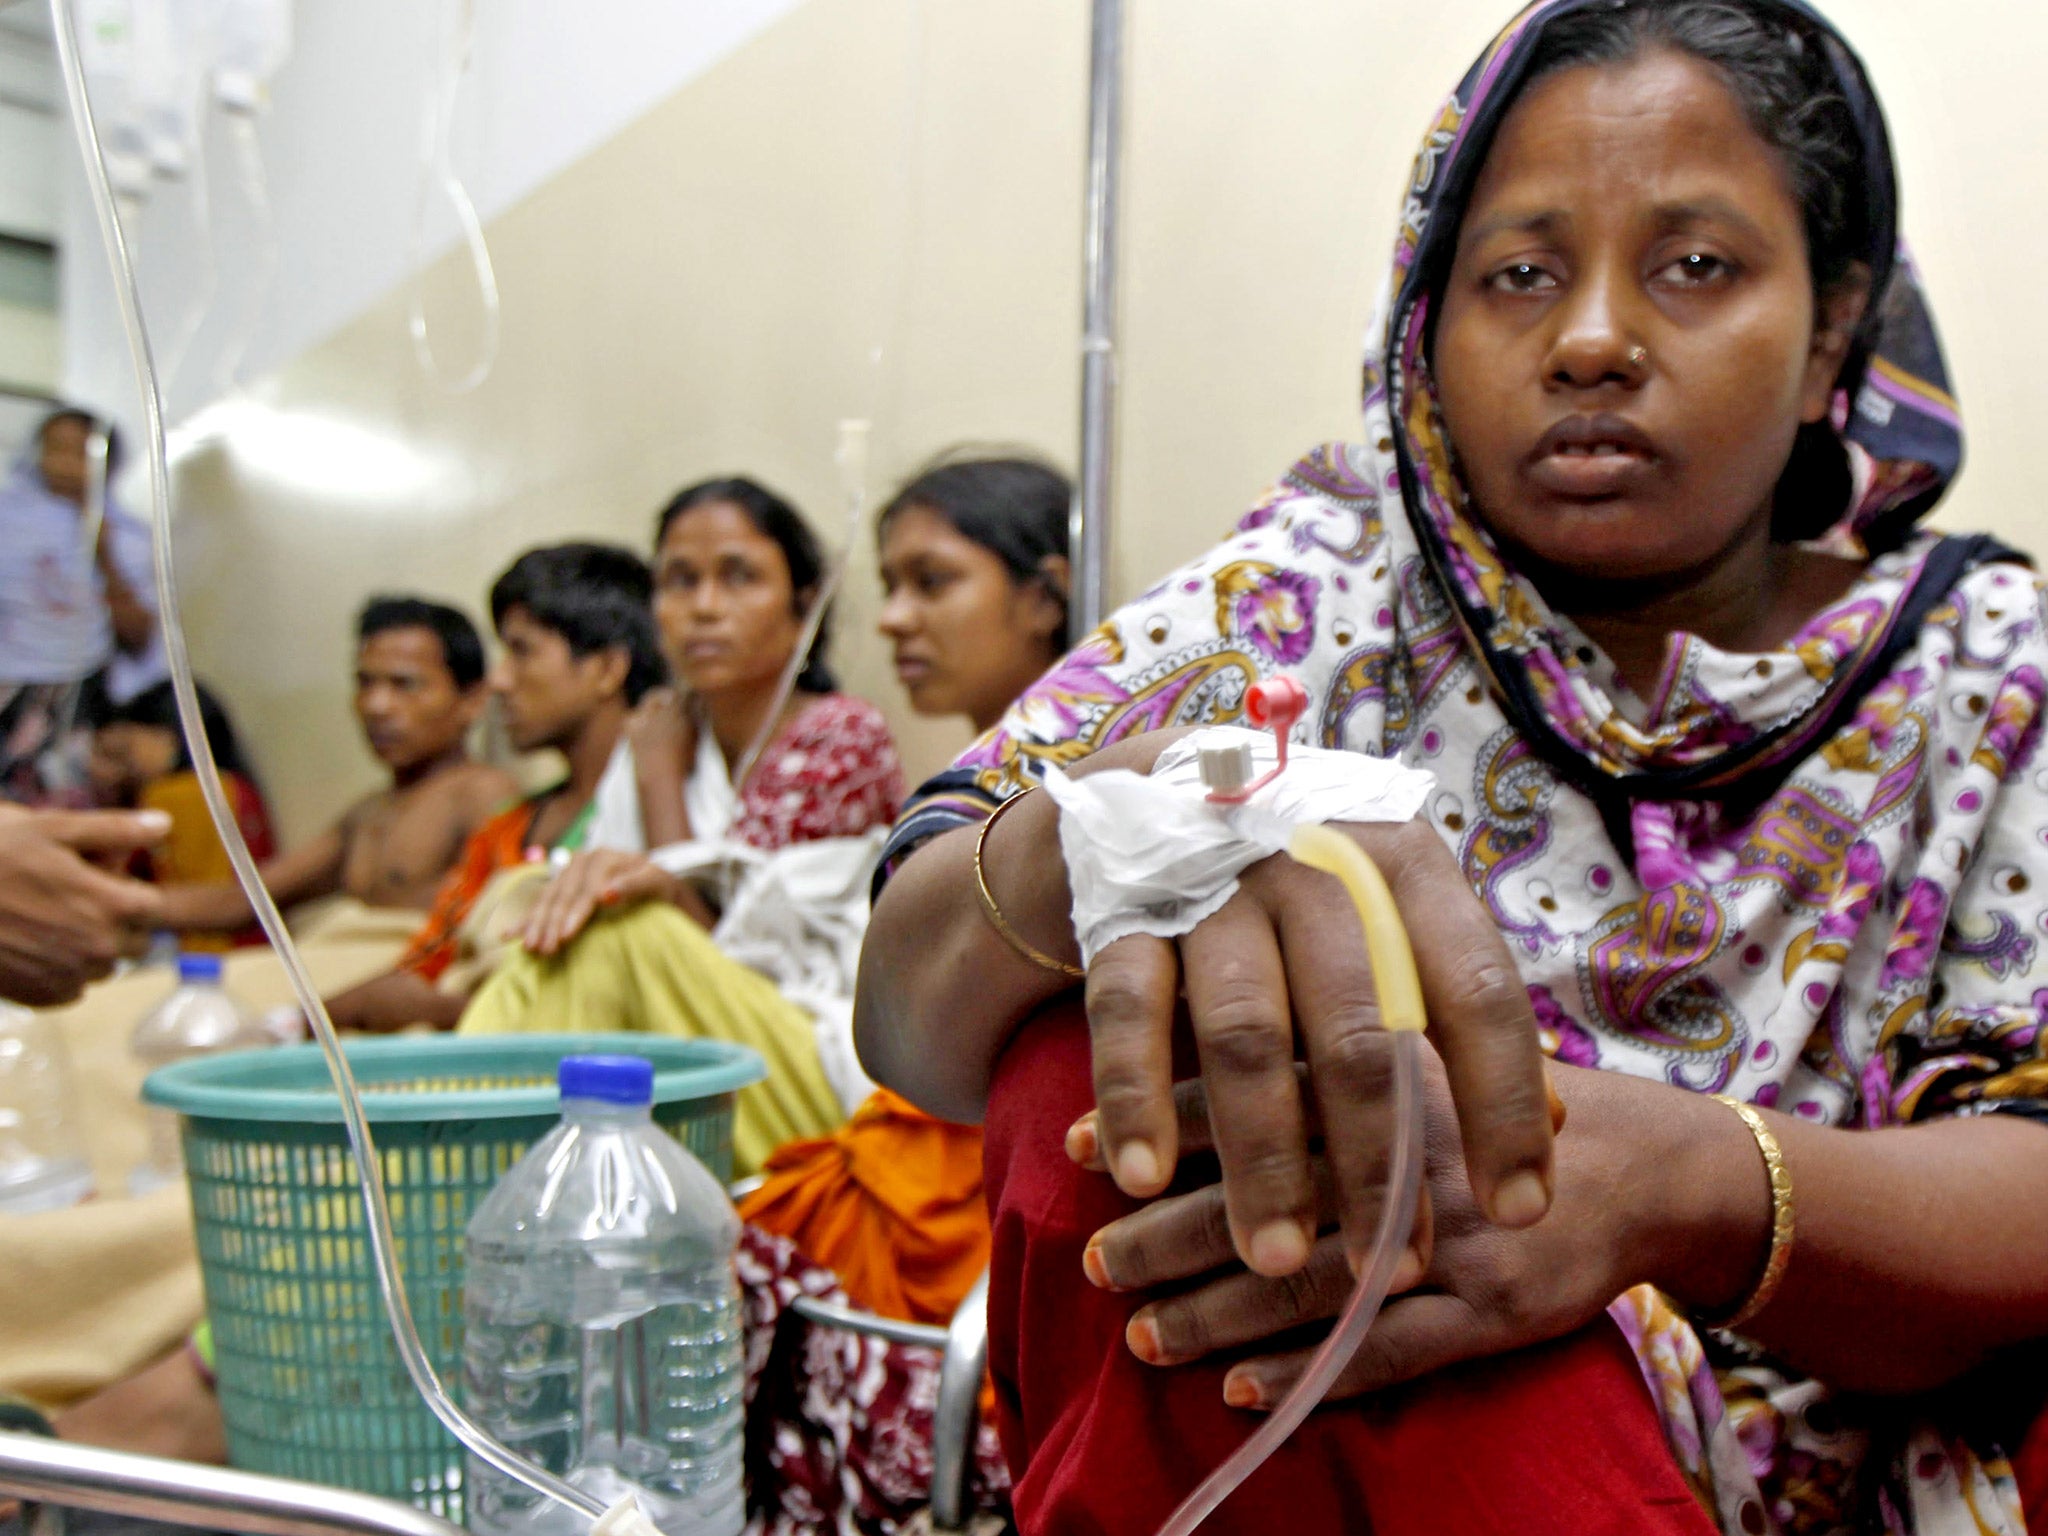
[(723, 601), (1628, 340), (126, 756), (968, 636)]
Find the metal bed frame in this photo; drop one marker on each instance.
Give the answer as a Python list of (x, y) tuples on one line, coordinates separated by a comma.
[(53, 1473)]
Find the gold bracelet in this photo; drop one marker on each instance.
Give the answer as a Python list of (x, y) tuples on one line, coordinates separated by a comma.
[(1780, 1255), (997, 921)]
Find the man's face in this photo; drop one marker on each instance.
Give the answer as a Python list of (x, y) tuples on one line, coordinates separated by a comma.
[(546, 693), (407, 701), (63, 458)]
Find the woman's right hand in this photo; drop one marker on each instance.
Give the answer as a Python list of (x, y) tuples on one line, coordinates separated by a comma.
[(588, 884), (1281, 972)]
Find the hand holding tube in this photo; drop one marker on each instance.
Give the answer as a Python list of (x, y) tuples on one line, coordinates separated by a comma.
[(1283, 956)]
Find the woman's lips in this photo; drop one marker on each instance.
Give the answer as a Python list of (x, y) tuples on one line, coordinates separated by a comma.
[(912, 669), (1592, 457), (1584, 476)]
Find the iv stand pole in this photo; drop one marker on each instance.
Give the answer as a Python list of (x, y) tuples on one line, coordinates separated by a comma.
[(1089, 528)]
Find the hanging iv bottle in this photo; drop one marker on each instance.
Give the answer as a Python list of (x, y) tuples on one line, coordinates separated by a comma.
[(602, 1330)]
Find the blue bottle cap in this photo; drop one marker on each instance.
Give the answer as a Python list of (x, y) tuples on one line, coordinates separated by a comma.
[(200, 967), (609, 1079)]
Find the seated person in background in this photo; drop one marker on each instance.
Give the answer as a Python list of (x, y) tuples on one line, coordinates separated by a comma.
[(1737, 815), (758, 772), (579, 653), (419, 691), (974, 576), (78, 626), (139, 760)]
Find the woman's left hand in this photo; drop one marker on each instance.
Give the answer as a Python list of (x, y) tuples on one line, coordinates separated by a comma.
[(1475, 1290), (585, 886)]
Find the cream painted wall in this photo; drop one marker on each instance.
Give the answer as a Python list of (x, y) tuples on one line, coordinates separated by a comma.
[(709, 292), (31, 348)]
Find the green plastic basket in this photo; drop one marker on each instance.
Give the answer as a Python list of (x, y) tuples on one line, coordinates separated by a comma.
[(311, 1385)]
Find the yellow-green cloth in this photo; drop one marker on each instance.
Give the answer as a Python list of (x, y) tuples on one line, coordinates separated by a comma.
[(651, 970)]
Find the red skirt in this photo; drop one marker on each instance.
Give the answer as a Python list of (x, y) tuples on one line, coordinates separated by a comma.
[(1559, 1439)]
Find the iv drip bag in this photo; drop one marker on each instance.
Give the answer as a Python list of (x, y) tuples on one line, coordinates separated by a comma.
[(254, 38), (107, 53), (172, 39)]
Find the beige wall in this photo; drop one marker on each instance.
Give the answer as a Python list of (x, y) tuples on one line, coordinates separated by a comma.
[(31, 348), (708, 292)]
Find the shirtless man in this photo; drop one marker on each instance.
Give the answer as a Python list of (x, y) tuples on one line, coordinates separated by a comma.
[(419, 689)]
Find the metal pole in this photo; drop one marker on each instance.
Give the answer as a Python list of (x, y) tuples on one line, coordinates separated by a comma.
[(211, 1498), (1090, 527)]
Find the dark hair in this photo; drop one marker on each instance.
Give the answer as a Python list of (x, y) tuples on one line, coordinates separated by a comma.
[(597, 597), (91, 423), (157, 707), (776, 519), (462, 648), (1018, 509), (1776, 64), (1783, 69)]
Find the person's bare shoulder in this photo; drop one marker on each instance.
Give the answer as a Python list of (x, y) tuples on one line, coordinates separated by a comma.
[(482, 791)]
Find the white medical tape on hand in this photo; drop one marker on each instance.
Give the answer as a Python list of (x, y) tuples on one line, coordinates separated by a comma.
[(1153, 855)]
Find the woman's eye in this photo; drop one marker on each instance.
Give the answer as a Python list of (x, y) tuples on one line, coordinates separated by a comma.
[(1523, 277), (1698, 268)]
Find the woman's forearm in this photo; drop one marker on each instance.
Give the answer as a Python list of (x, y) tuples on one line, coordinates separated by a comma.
[(1918, 1252), (940, 993), (132, 620), (662, 816)]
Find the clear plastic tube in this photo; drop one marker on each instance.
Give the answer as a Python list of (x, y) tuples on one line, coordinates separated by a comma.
[(437, 168), (1400, 995), (369, 1172), (1397, 1222), (261, 277)]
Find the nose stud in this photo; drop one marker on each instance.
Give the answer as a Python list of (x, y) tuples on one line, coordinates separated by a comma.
[(1638, 357)]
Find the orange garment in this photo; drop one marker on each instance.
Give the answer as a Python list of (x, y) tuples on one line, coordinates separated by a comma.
[(498, 843), (890, 1202), (193, 853)]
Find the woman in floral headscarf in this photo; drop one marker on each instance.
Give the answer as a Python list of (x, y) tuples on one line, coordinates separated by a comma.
[(1738, 796)]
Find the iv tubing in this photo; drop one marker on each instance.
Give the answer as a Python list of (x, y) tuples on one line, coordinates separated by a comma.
[(1400, 993), (437, 167), (263, 268), (377, 1215)]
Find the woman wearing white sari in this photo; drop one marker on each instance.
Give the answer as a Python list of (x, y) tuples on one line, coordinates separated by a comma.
[(763, 808)]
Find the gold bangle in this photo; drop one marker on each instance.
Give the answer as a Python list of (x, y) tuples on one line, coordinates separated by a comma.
[(997, 921), (1780, 1255)]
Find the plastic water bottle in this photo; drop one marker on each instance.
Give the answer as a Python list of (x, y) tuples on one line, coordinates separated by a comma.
[(198, 1019), (602, 1323), (42, 1158)]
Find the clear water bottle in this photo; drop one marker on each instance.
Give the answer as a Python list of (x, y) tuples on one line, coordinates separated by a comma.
[(198, 1019), (42, 1156), (602, 1321)]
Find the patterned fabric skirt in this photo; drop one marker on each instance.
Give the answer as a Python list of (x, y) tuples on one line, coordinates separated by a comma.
[(839, 1425)]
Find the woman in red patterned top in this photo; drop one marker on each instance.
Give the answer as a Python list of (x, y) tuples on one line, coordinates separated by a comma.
[(762, 812)]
